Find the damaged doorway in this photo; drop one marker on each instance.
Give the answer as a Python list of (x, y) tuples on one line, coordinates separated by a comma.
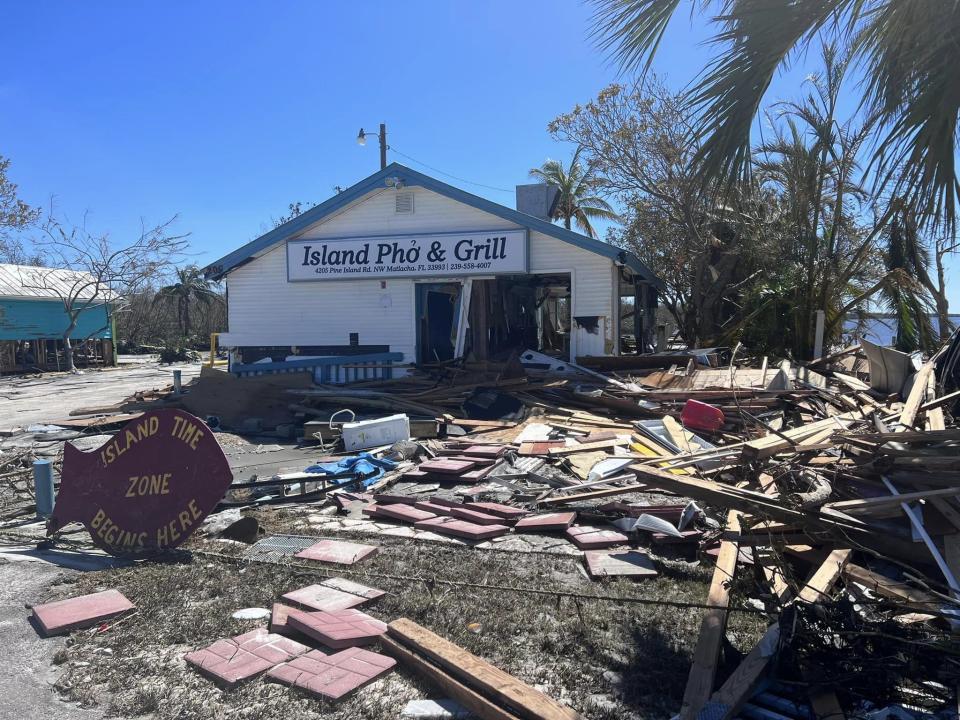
[(438, 314), (520, 312)]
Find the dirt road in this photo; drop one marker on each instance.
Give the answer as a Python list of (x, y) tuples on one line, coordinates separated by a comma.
[(26, 401)]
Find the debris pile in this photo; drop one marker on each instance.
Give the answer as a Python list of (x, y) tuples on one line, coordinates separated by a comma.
[(828, 501), (824, 496)]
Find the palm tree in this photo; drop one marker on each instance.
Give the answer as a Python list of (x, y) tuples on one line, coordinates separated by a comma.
[(908, 50), (578, 201), (190, 287)]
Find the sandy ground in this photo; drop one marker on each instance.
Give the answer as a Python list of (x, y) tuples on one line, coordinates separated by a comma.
[(26, 400), (27, 691)]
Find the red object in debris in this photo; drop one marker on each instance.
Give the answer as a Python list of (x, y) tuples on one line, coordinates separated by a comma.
[(147, 488), (331, 677), (230, 661), (57, 618), (701, 416), (338, 629)]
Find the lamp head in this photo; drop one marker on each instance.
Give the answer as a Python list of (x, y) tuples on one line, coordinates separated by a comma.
[(362, 138)]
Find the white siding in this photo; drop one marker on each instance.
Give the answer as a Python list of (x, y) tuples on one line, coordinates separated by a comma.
[(265, 309), (432, 213), (592, 276)]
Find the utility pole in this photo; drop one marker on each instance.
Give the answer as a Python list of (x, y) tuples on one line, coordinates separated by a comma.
[(382, 136), (383, 146)]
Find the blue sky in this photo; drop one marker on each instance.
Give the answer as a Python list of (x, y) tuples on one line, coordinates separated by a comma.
[(225, 112)]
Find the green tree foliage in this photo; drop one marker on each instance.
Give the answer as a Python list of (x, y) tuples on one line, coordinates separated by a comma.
[(191, 288), (907, 49), (15, 216), (754, 262), (578, 201)]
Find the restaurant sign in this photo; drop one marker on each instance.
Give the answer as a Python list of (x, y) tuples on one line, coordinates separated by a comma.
[(147, 488), (475, 253)]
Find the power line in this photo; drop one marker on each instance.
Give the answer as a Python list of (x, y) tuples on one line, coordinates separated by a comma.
[(449, 175)]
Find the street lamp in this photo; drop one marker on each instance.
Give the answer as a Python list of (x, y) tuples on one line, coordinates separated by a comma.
[(362, 140)]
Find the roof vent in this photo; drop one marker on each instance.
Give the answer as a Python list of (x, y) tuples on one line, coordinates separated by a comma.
[(404, 203)]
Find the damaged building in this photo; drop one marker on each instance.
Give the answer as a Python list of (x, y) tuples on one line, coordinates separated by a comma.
[(33, 319), (403, 269)]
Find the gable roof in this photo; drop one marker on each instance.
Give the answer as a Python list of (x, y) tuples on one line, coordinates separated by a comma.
[(29, 281), (413, 178)]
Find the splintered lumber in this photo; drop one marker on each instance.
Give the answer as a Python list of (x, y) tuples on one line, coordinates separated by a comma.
[(590, 494), (911, 597), (934, 419), (757, 503), (825, 576), (586, 447), (773, 444), (486, 679), (931, 404), (704, 667), (917, 394), (727, 701), (870, 505), (470, 699)]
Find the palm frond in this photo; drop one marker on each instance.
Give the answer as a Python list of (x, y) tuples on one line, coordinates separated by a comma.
[(630, 31)]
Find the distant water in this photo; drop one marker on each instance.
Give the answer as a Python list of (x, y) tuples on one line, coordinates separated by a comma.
[(881, 329)]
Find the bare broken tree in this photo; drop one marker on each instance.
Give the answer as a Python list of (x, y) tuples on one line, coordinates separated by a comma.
[(102, 273)]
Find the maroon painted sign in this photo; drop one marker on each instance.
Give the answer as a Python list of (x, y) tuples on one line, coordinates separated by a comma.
[(146, 489)]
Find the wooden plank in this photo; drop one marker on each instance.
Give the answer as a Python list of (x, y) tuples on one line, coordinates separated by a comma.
[(586, 447), (941, 401), (917, 394), (480, 675), (934, 415), (911, 597), (606, 492), (473, 701), (868, 505), (772, 444), (758, 503), (703, 670), (727, 701), (825, 576)]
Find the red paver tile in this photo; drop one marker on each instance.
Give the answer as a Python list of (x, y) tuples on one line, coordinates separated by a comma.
[(322, 597), (62, 616), (372, 510), (586, 537), (354, 588), (278, 619), (433, 507), (332, 676), (403, 513), (446, 502), (442, 466), (630, 563), (231, 661), (688, 536), (476, 460), (504, 511), (540, 447), (338, 629), (475, 516), (337, 551), (461, 528), (387, 499), (486, 451), (546, 522)]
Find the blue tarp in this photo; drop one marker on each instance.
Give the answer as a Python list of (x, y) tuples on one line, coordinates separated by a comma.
[(363, 464)]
